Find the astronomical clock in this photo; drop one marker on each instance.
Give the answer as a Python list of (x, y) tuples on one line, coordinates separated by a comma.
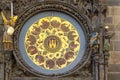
[(53, 39)]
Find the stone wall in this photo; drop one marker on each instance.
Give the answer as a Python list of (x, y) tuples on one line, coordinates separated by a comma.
[(113, 20), (1, 54)]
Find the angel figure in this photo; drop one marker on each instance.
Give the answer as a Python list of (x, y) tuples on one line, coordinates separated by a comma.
[(8, 31)]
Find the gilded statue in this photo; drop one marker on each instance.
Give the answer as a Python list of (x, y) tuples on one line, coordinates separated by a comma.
[(8, 31)]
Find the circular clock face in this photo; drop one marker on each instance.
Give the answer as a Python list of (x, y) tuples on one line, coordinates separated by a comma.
[(52, 43)]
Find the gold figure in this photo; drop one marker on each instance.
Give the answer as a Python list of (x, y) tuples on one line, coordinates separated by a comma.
[(8, 31)]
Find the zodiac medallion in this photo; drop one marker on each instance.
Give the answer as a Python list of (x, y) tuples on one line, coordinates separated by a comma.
[(52, 43)]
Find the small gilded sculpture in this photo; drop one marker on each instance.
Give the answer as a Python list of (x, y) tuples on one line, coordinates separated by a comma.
[(8, 31)]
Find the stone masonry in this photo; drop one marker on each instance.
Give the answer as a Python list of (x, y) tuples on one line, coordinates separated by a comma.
[(113, 21)]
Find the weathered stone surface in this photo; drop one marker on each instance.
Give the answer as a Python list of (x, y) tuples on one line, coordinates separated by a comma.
[(116, 10), (36, 78), (113, 2), (114, 57), (116, 20), (115, 37), (109, 20), (117, 46), (110, 11), (111, 27), (1, 33), (1, 21), (117, 27), (114, 68), (1, 66), (113, 76), (111, 45)]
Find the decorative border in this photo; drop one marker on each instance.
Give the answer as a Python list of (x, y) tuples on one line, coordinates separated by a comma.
[(47, 6)]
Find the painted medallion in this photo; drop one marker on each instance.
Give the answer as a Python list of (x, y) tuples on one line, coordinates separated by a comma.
[(52, 43)]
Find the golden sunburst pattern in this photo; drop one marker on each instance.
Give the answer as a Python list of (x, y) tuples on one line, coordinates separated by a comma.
[(52, 43)]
